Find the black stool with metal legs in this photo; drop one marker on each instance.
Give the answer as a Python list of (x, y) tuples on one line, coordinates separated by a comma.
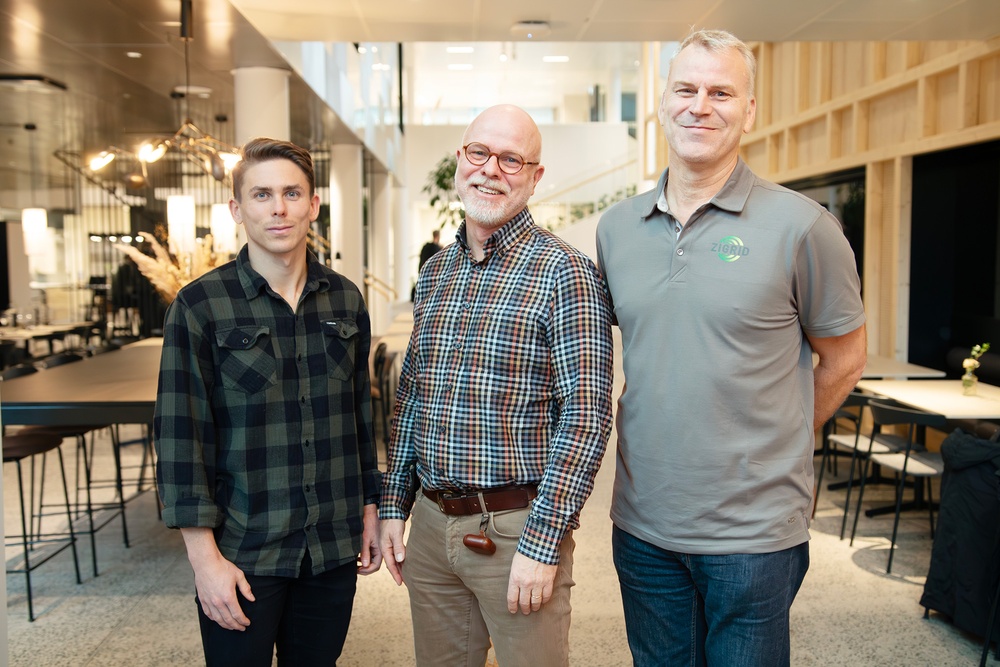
[(108, 510), (38, 547)]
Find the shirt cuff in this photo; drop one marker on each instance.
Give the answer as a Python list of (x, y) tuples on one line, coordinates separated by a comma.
[(540, 541)]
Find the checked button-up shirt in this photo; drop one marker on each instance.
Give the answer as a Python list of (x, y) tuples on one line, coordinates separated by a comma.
[(507, 380), (263, 418)]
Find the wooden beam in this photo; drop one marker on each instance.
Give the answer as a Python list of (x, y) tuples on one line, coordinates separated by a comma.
[(968, 93), (927, 89)]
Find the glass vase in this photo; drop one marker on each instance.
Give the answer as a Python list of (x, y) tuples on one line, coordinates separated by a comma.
[(969, 382)]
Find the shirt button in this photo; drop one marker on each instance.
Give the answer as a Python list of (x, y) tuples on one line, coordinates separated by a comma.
[(246, 340), (466, 305), (302, 400), (307, 488), (300, 356), (307, 443), (441, 430), (680, 251), (458, 346)]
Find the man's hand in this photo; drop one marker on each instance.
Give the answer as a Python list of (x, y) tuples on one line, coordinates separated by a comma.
[(530, 584), (392, 547), (371, 554), (216, 580)]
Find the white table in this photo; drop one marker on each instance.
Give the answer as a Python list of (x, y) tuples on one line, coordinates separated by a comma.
[(879, 367), (887, 367), (943, 397)]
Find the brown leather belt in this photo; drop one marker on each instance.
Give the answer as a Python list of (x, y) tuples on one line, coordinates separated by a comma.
[(498, 499)]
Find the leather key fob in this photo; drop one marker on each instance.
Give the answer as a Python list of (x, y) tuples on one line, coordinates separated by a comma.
[(480, 544)]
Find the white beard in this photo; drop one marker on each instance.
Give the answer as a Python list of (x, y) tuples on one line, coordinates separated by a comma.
[(490, 214)]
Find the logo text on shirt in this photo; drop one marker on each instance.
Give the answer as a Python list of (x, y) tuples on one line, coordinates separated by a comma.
[(730, 248)]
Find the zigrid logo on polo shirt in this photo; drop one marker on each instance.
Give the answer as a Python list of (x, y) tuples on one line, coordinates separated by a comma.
[(730, 248)]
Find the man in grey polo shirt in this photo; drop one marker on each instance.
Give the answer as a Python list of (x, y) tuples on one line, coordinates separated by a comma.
[(723, 286)]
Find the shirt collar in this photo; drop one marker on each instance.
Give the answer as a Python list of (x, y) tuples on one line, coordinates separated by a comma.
[(732, 197), (254, 284), (502, 239)]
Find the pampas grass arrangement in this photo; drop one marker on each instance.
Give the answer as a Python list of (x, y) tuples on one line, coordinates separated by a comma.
[(168, 274)]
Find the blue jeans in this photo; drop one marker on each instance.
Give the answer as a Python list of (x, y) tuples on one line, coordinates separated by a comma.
[(697, 610)]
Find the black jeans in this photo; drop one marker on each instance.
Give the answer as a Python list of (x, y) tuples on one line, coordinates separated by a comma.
[(306, 617)]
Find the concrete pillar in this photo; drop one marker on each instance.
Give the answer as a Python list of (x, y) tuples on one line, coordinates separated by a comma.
[(347, 212), (261, 102)]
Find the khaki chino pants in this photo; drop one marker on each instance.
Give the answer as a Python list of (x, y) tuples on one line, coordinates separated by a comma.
[(458, 598)]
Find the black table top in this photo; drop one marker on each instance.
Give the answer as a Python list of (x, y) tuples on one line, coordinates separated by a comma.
[(115, 387)]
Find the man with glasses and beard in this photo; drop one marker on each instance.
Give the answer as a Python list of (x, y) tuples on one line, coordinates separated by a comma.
[(502, 417)]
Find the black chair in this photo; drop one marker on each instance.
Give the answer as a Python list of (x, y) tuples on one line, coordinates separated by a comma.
[(59, 359), (379, 389), (914, 461), (18, 371), (859, 445), (37, 546), (10, 354), (850, 411)]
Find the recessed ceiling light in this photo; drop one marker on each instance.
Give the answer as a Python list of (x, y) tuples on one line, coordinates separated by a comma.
[(460, 49), (555, 59), (530, 29), (133, 54), (503, 57), (460, 66)]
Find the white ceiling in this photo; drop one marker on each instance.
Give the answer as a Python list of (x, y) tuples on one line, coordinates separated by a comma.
[(623, 20), (600, 37)]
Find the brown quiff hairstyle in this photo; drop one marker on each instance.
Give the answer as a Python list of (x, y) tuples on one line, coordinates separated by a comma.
[(264, 149)]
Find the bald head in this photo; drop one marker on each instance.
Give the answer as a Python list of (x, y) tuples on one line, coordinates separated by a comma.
[(513, 120)]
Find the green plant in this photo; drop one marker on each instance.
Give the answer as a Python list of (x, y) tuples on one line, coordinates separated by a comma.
[(440, 186), (971, 362)]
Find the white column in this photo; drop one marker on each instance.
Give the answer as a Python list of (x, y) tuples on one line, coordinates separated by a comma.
[(402, 239), (380, 256), (261, 103), (346, 212)]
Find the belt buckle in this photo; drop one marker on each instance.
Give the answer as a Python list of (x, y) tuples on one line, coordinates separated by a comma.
[(446, 495)]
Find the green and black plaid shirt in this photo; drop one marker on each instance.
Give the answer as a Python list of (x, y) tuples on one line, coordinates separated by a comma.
[(263, 418)]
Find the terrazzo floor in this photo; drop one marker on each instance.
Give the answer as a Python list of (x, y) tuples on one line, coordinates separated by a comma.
[(139, 612)]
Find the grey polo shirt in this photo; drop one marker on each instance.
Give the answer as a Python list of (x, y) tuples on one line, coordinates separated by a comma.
[(715, 434)]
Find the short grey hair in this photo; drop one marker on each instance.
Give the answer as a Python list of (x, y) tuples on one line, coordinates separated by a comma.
[(718, 41)]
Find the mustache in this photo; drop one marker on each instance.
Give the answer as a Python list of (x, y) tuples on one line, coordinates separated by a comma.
[(479, 179)]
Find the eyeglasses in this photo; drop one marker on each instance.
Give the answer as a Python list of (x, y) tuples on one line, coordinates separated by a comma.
[(509, 163)]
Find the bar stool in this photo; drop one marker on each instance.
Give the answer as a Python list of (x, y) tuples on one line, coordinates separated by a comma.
[(83, 482), (16, 448)]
